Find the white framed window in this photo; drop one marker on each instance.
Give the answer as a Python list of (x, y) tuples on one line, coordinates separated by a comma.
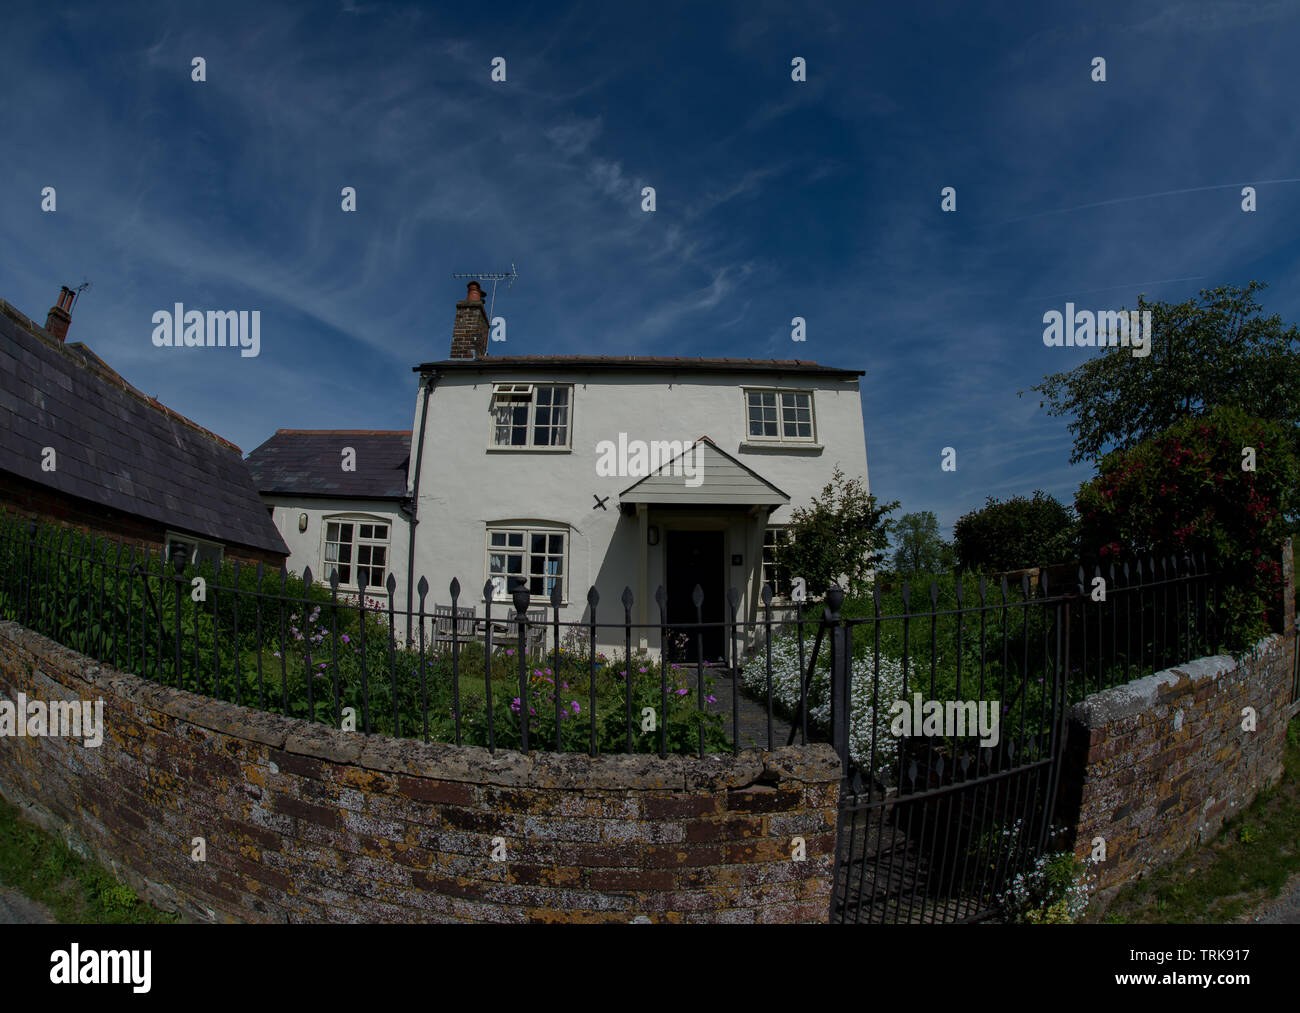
[(530, 415), (772, 573), (356, 547), (534, 557), (782, 416), (197, 550)]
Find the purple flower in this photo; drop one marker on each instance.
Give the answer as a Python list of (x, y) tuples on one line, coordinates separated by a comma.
[(576, 708), (641, 670), (681, 692), (709, 699), (347, 639), (275, 654)]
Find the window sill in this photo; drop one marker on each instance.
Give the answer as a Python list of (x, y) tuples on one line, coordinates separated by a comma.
[(529, 450), (809, 448)]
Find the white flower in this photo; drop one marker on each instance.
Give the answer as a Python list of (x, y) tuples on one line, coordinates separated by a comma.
[(870, 698)]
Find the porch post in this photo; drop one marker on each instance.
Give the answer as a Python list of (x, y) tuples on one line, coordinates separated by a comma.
[(643, 591)]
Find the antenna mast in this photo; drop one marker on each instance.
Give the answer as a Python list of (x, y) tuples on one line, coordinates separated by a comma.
[(77, 293), (494, 277)]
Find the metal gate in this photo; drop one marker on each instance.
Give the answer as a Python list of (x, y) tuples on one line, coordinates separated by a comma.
[(934, 826)]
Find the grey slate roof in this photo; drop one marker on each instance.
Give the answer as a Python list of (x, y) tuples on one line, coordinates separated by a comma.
[(308, 462), (638, 363), (117, 447)]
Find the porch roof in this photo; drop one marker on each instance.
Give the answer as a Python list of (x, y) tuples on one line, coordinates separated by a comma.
[(721, 480)]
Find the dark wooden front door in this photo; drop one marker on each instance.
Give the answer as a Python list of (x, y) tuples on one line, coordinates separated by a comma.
[(695, 557)]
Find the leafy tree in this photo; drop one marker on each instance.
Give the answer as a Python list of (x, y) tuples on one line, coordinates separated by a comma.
[(1186, 491), (838, 536), (918, 548), (1217, 349), (1016, 534)]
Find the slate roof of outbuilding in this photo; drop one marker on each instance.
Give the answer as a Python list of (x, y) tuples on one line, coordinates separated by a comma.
[(115, 446), (308, 462)]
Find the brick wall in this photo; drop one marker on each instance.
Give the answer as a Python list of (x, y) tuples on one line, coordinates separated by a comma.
[(307, 823), (1157, 765), (25, 498)]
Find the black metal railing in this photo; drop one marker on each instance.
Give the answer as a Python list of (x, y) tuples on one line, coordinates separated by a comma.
[(516, 675)]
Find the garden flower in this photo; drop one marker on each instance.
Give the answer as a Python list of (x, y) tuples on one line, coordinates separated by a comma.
[(576, 708), (346, 639), (710, 698), (641, 670), (682, 692), (275, 654)]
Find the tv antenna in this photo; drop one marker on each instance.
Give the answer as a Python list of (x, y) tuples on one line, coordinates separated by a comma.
[(77, 293), (494, 277)]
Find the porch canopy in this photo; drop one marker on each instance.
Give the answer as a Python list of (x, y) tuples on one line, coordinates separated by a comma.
[(701, 480), (702, 475)]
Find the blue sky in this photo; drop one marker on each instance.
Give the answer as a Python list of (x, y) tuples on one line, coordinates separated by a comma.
[(775, 199)]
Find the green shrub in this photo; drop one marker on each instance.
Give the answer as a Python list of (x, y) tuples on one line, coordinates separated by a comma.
[(1015, 535), (1185, 491)]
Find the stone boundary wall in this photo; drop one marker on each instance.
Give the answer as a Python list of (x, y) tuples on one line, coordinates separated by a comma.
[(305, 823), (1157, 765)]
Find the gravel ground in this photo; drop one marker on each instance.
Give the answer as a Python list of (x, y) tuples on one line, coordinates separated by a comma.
[(1282, 910), (15, 909)]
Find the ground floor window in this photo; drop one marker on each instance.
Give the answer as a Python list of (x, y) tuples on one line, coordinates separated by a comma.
[(356, 548), (533, 558), (772, 573), (197, 550)]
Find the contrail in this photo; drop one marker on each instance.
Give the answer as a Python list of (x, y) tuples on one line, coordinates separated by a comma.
[(1146, 196), (1111, 288)]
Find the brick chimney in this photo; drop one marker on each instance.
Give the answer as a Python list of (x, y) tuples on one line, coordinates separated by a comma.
[(61, 315), (469, 334)]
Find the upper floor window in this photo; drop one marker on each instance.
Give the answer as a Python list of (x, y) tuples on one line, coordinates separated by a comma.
[(532, 558), (530, 415), (356, 547), (780, 415)]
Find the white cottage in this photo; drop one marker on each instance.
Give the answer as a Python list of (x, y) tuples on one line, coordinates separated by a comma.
[(339, 500), (617, 472)]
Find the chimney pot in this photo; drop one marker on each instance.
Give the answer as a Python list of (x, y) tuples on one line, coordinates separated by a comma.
[(474, 292), (60, 315)]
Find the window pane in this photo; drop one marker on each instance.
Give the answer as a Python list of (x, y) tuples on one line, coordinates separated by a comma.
[(539, 543), (345, 532), (377, 555), (363, 555), (345, 553), (498, 538), (332, 532), (514, 564), (381, 530), (556, 543), (516, 539), (496, 563), (367, 531)]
